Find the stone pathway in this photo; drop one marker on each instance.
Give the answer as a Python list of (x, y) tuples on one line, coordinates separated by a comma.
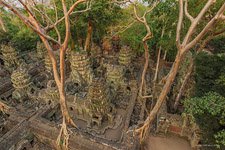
[(167, 143)]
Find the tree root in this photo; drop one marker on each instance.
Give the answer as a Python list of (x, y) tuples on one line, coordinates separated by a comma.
[(63, 137), (143, 131), (70, 121)]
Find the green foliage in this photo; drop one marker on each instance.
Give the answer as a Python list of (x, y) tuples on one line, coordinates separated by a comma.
[(133, 36), (18, 35), (209, 74), (163, 17), (24, 40), (209, 113), (218, 45), (102, 16), (220, 138)]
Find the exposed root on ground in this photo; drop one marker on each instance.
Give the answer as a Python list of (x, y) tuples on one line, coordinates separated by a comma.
[(143, 131), (63, 137), (71, 122)]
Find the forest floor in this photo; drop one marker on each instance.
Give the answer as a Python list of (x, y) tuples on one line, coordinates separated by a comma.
[(167, 143)]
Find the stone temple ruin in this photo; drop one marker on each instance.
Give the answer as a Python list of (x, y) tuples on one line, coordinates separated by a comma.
[(102, 98), (21, 82), (101, 104)]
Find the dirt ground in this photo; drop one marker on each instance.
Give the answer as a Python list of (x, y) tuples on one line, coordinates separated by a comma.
[(167, 143)]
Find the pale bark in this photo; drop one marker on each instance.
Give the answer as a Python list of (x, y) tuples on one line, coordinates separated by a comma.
[(184, 83), (164, 57), (147, 37), (33, 23), (166, 88), (182, 49), (191, 65), (157, 66), (158, 60)]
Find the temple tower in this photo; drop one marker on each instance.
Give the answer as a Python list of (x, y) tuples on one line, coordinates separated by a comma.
[(80, 64), (21, 82), (125, 56), (99, 102)]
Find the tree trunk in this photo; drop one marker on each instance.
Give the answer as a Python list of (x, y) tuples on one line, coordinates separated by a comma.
[(165, 90), (61, 87), (64, 108), (88, 38), (157, 66), (164, 57), (181, 91)]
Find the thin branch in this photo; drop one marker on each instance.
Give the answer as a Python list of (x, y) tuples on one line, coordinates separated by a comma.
[(124, 28), (158, 58), (27, 9), (151, 8), (69, 13), (186, 11), (88, 7), (44, 15), (27, 21), (209, 25), (75, 5), (140, 19), (36, 7), (212, 36), (56, 11), (144, 40), (180, 20), (196, 21)]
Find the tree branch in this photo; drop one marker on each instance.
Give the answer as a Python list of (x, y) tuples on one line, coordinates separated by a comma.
[(196, 21), (186, 11), (180, 21), (27, 9), (27, 21), (144, 40), (69, 13), (209, 25)]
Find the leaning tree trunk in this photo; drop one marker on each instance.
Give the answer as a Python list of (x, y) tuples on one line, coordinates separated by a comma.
[(166, 88), (182, 88), (162, 97)]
